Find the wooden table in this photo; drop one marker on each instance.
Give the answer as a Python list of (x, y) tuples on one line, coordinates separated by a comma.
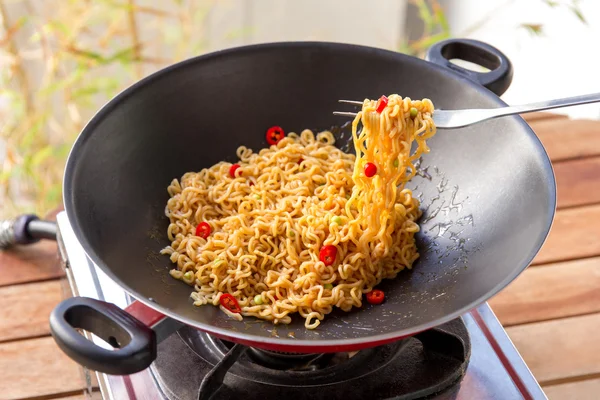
[(551, 312)]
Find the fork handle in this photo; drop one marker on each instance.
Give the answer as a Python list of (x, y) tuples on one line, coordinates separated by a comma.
[(547, 105)]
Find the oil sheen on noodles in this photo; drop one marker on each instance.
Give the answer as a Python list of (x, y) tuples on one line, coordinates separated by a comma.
[(269, 223)]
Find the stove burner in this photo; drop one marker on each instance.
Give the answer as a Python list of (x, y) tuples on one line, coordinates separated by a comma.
[(270, 368), (289, 361), (286, 361), (414, 368)]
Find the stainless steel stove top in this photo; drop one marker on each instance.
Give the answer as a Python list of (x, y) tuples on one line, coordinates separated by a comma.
[(494, 368)]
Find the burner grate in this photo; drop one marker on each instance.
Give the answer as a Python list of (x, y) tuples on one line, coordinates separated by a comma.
[(414, 368), (290, 361)]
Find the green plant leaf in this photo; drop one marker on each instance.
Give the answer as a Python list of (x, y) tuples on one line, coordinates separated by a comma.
[(15, 26), (440, 17), (61, 84), (56, 26), (406, 49), (91, 55), (533, 29), (5, 175), (124, 56), (63, 150), (41, 155), (53, 195), (428, 41), (32, 132), (16, 172), (577, 11), (107, 86), (425, 15), (35, 37), (551, 3)]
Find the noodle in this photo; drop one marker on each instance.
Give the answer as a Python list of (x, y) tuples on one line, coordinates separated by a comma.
[(269, 223)]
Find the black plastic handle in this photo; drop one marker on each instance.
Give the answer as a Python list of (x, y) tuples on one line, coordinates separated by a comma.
[(134, 342), (499, 77), (25, 229)]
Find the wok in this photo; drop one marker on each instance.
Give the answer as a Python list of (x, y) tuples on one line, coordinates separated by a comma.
[(487, 191)]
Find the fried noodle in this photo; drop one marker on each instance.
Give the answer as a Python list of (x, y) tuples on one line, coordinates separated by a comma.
[(288, 201)]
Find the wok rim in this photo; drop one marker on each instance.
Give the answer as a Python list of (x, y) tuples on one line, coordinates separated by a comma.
[(289, 343)]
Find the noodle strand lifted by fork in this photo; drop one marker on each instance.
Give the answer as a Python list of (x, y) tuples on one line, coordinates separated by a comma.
[(286, 202)]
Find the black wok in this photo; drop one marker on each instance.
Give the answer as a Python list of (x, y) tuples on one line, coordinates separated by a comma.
[(487, 191)]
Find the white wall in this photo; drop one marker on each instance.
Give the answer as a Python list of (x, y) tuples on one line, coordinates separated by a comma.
[(560, 63), (372, 23), (564, 62)]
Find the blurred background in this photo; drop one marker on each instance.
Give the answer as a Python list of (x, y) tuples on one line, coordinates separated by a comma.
[(61, 60)]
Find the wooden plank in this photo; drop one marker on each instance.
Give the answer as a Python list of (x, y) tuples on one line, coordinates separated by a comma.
[(567, 139), (24, 309), (559, 349), (75, 397), (578, 182), (542, 116), (36, 262), (36, 368), (582, 390), (548, 292), (30, 263), (575, 234), (83, 396)]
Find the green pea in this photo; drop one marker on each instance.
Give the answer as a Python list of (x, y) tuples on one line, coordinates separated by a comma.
[(291, 234), (337, 220), (328, 286), (413, 112), (396, 163), (188, 276), (258, 299), (257, 196)]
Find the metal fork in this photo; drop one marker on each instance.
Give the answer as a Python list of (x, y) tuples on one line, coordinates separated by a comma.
[(450, 119)]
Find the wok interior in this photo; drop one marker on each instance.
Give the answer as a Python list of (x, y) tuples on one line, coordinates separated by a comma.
[(487, 190)]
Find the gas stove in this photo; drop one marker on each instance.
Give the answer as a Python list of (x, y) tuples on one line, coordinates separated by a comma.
[(468, 358)]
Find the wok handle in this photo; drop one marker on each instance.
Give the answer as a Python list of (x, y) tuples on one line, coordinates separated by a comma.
[(134, 342), (25, 229), (499, 77)]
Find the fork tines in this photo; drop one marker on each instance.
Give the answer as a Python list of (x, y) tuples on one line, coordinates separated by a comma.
[(348, 114)]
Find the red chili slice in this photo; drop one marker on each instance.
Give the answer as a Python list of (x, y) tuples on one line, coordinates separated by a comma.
[(370, 169), (328, 254), (203, 230), (233, 169), (375, 296), (230, 303), (381, 104), (275, 134)]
